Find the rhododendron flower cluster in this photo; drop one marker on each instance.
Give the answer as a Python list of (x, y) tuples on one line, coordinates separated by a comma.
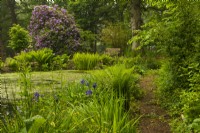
[(55, 28)]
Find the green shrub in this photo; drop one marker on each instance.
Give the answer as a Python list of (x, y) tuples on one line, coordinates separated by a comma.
[(181, 101), (17, 62), (107, 60), (24, 59), (19, 38), (191, 107), (166, 92), (191, 97), (124, 81), (135, 63), (195, 125), (12, 64), (1, 64), (153, 63), (42, 58), (86, 61), (120, 80), (60, 62), (45, 59)]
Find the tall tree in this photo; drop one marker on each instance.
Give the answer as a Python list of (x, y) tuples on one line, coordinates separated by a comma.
[(5, 23), (94, 15), (1, 45), (12, 7), (136, 19)]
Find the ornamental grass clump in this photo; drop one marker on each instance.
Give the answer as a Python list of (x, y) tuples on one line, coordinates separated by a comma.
[(86, 61), (120, 80), (104, 113)]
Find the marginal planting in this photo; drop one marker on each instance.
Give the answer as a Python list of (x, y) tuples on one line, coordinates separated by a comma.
[(96, 103)]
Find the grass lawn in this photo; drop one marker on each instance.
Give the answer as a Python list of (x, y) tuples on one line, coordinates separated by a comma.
[(39, 81)]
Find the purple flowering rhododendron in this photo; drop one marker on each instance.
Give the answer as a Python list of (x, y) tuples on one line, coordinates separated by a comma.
[(54, 28)]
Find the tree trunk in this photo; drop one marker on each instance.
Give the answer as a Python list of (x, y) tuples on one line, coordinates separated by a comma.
[(136, 19), (1, 45), (12, 5), (1, 50)]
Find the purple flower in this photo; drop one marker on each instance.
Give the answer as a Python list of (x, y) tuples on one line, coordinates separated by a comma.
[(36, 96), (88, 92), (63, 10), (50, 23), (94, 85), (82, 81)]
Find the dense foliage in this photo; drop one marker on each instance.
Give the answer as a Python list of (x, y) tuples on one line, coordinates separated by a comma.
[(175, 32), (54, 27), (98, 101), (116, 36), (86, 61), (19, 38), (169, 40), (91, 16), (40, 60)]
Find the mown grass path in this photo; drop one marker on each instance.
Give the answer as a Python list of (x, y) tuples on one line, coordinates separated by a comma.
[(154, 118)]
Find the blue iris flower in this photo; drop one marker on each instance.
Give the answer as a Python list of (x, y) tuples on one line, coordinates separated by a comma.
[(36, 96), (88, 92), (82, 81), (94, 85), (85, 82)]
